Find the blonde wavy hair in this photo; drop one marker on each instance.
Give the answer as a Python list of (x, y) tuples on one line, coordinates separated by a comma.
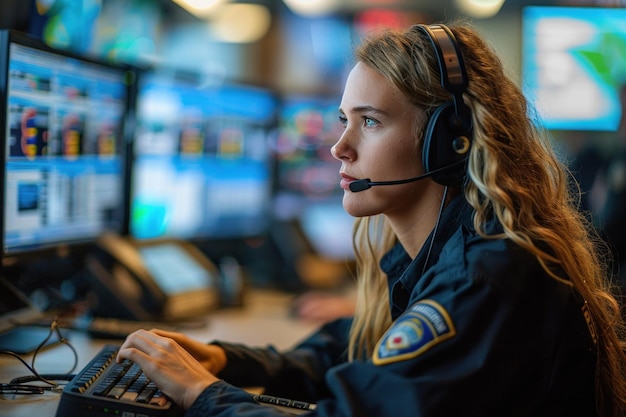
[(515, 175)]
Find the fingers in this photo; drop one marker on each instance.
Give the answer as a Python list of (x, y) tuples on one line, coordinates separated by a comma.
[(140, 345), (192, 346), (169, 334)]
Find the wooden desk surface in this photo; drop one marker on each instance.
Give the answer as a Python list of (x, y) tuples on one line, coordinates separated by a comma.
[(262, 321)]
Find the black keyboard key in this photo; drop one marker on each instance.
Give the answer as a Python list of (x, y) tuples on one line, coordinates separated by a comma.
[(147, 393)]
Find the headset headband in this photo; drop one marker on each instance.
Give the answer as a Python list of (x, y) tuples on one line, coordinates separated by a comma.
[(449, 59)]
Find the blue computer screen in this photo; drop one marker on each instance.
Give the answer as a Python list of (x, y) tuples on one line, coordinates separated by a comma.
[(202, 165), (63, 177), (574, 65)]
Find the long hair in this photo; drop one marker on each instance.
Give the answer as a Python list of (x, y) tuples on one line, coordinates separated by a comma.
[(513, 175)]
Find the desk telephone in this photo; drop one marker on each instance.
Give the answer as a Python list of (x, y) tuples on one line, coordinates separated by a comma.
[(159, 280)]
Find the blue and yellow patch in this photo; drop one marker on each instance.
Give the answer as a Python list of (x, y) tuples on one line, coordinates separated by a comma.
[(424, 325)]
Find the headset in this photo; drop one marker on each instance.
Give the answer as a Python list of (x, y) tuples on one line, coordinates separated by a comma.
[(448, 133)]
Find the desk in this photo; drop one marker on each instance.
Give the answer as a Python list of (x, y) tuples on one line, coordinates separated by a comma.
[(263, 320)]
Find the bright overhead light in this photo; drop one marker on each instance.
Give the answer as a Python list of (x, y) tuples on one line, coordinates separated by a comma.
[(312, 7), (480, 8), (241, 23), (200, 8)]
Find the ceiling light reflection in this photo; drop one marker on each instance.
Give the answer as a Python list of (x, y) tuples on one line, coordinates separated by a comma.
[(241, 23), (200, 8), (480, 8), (312, 7)]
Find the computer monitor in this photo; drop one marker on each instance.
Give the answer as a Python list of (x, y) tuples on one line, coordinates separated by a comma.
[(201, 162), (574, 65), (63, 159), (307, 188)]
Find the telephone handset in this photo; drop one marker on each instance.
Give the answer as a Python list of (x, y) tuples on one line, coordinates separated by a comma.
[(158, 280)]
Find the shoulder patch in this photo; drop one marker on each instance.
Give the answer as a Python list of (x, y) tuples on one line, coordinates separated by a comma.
[(424, 325)]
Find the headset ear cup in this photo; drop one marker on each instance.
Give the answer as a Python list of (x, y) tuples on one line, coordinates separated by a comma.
[(446, 144)]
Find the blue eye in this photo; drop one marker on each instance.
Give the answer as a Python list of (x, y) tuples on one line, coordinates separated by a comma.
[(369, 122)]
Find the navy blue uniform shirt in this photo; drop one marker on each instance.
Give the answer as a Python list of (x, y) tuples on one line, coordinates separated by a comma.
[(479, 329)]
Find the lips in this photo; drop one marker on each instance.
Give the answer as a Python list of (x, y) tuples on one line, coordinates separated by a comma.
[(346, 180)]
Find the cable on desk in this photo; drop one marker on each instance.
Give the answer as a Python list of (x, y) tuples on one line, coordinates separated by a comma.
[(16, 385), (21, 389)]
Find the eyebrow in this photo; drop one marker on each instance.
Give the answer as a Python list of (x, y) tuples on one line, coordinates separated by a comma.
[(364, 109)]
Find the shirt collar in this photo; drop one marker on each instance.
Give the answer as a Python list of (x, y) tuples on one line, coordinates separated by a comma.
[(403, 273)]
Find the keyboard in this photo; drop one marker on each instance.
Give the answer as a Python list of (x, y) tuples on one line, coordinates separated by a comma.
[(291, 407), (105, 388)]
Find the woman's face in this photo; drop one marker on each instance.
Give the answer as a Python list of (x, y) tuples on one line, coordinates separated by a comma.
[(379, 142)]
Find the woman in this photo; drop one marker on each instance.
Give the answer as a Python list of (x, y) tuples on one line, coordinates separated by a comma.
[(480, 291)]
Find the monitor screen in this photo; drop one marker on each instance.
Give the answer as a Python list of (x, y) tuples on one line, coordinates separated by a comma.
[(307, 187), (308, 126), (202, 166), (574, 64), (63, 154)]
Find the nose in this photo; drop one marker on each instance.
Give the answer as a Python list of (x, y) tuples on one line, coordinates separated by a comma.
[(342, 150)]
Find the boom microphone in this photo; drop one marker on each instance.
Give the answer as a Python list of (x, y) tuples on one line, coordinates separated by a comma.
[(366, 183)]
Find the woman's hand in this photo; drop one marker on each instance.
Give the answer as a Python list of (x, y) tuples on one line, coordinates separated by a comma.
[(212, 357), (173, 369)]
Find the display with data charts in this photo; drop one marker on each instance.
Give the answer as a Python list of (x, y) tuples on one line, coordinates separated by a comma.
[(64, 171), (201, 162)]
